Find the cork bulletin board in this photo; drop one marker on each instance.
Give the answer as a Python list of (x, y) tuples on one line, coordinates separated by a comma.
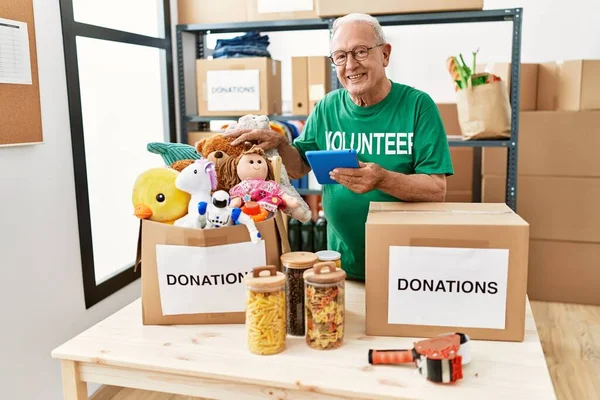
[(20, 111)]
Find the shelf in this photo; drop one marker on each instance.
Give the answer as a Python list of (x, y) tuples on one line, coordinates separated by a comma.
[(196, 118), (445, 17), (307, 192), (457, 141)]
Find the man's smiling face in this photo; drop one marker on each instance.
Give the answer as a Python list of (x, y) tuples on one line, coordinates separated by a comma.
[(360, 77)]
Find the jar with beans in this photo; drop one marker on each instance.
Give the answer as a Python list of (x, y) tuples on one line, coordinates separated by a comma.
[(294, 264)]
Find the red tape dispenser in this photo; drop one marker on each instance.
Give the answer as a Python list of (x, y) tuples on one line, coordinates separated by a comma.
[(439, 359)]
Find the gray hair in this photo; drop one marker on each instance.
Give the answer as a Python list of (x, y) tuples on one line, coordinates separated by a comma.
[(361, 18)]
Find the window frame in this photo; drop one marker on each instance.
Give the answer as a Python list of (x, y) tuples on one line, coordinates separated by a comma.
[(94, 293)]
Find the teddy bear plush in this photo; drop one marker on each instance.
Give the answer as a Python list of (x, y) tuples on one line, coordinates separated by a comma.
[(251, 121), (218, 149)]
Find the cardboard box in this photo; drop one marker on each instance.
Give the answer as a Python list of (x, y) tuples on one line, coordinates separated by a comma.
[(300, 85), (552, 143), (564, 272), (238, 86), (572, 85), (462, 161), (415, 250), (319, 79), (449, 114), (547, 86), (334, 8), (195, 137), (211, 12), (260, 10), (528, 82), (190, 291), (556, 208), (459, 196), (579, 85)]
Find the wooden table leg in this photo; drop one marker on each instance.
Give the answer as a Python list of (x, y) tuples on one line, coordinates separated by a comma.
[(73, 387)]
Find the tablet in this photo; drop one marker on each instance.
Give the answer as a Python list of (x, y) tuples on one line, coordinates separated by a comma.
[(323, 162)]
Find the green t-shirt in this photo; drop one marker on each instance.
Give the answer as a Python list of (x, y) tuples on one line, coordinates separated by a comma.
[(402, 133)]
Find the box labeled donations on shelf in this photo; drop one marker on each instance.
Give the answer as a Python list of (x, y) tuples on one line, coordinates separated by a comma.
[(333, 8), (433, 268), (196, 276), (238, 86)]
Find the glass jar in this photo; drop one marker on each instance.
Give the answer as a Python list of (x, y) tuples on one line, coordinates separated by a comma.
[(265, 311), (294, 264), (330, 255), (324, 296)]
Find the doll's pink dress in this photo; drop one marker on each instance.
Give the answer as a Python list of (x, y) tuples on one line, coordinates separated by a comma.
[(268, 194)]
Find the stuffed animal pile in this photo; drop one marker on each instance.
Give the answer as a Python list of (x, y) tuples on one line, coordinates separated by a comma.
[(215, 184)]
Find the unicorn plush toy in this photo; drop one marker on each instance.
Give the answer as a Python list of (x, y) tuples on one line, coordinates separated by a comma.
[(198, 179)]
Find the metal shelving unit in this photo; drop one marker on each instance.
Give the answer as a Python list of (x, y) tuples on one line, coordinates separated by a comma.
[(197, 33)]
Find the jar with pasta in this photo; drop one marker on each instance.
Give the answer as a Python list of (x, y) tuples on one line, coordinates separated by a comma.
[(330, 255), (294, 265), (324, 297), (265, 310)]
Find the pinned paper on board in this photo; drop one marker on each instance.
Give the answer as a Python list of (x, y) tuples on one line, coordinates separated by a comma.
[(15, 60), (194, 280), (438, 286)]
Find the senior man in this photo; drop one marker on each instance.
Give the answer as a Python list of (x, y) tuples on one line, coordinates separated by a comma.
[(396, 130)]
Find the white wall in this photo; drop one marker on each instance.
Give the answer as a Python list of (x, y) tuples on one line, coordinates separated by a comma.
[(41, 290), (551, 29)]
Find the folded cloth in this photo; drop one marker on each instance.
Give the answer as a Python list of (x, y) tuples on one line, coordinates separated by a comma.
[(241, 51), (251, 44)]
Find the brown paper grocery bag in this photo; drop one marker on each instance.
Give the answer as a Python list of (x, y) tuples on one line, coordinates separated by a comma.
[(154, 234), (484, 111)]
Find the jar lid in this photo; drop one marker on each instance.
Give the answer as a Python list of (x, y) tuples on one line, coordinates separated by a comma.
[(299, 259), (328, 255), (266, 277), (324, 272)]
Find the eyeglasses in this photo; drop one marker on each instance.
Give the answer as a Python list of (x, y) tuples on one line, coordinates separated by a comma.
[(360, 53)]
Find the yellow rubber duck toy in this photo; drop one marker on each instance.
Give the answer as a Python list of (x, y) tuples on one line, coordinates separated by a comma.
[(156, 198)]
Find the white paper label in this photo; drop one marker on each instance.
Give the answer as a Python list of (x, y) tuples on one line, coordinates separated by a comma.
[(316, 92), (233, 90), (206, 279), (15, 61), (275, 6), (458, 287)]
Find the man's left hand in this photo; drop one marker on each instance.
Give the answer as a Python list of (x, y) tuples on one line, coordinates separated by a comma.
[(359, 180)]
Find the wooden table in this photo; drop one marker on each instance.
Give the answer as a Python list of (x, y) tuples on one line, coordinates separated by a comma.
[(212, 361)]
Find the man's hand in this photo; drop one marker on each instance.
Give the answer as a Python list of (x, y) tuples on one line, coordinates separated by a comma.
[(359, 180), (266, 139)]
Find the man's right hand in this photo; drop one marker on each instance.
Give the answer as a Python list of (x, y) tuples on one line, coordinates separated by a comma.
[(266, 139)]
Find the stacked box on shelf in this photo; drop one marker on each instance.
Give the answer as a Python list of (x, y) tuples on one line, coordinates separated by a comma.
[(559, 187)]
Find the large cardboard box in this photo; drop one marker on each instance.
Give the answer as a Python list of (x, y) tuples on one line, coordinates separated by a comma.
[(564, 272), (195, 276), (552, 143), (462, 161), (449, 115), (547, 86), (319, 79), (445, 267), (557, 208), (300, 85), (238, 86), (528, 82), (211, 12), (334, 8), (261, 10), (572, 85)]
